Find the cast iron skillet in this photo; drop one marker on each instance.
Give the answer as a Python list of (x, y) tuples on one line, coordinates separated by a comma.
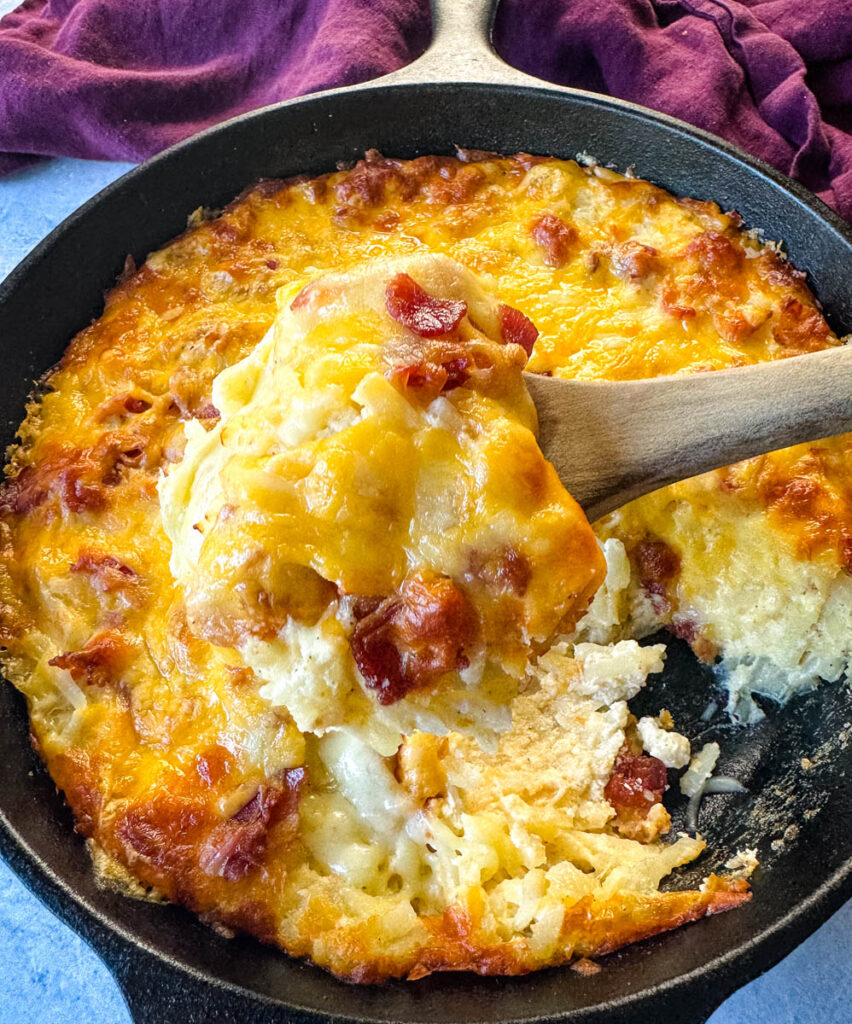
[(171, 967)]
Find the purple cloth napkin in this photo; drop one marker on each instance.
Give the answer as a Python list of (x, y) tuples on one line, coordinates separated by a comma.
[(122, 79)]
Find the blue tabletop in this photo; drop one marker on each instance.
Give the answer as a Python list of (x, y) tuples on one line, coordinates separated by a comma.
[(49, 976)]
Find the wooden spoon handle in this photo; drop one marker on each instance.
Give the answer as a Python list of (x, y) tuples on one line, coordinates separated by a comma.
[(613, 441)]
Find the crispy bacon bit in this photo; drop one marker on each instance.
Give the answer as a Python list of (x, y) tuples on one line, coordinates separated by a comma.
[(225, 229), (633, 261), (238, 846), (105, 570), (683, 628), (456, 370), (118, 405), (425, 380), (431, 380), (657, 564), (517, 329), (455, 185), (734, 326), (800, 327), (778, 271), (25, 492), (717, 254), (798, 498), (505, 571), (555, 238), (365, 184), (672, 305), (163, 832), (636, 782), (414, 638), (75, 476), (136, 405), (420, 312), (208, 411), (98, 661)]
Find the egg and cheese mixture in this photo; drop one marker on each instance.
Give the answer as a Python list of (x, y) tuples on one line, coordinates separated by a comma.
[(313, 639)]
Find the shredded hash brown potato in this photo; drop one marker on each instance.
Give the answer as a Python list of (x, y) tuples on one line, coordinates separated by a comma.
[(260, 705)]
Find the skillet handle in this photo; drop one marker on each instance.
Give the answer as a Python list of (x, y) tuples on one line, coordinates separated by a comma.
[(461, 49)]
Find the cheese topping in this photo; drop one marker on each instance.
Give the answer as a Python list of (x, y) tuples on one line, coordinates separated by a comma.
[(362, 458), (307, 684)]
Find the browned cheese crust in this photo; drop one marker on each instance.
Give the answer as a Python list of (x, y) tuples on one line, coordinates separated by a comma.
[(182, 776)]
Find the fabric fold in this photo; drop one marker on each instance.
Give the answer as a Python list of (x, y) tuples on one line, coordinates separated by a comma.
[(117, 80)]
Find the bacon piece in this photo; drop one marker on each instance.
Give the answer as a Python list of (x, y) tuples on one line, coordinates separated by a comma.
[(505, 571), (673, 306), (163, 831), (657, 564), (517, 329), (633, 261), (98, 661), (25, 492), (78, 477), (422, 313), (365, 184), (457, 375), (454, 185), (118, 405), (637, 782), (555, 238), (430, 380), (107, 571), (778, 271), (800, 327), (71, 476), (414, 637), (717, 254), (189, 392), (236, 847), (734, 326)]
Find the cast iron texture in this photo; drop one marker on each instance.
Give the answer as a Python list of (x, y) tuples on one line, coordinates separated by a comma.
[(170, 966)]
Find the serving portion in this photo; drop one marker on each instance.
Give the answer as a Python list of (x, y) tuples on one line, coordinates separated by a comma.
[(313, 639)]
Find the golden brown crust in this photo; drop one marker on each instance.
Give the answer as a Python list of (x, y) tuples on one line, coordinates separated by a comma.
[(155, 766)]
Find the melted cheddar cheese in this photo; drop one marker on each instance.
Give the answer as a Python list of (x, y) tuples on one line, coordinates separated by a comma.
[(338, 474), (216, 491)]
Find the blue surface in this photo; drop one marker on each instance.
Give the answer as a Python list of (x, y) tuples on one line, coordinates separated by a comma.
[(49, 976)]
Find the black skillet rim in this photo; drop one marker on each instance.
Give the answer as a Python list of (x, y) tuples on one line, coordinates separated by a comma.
[(741, 964)]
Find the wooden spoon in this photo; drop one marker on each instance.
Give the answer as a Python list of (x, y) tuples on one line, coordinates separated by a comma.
[(612, 441)]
